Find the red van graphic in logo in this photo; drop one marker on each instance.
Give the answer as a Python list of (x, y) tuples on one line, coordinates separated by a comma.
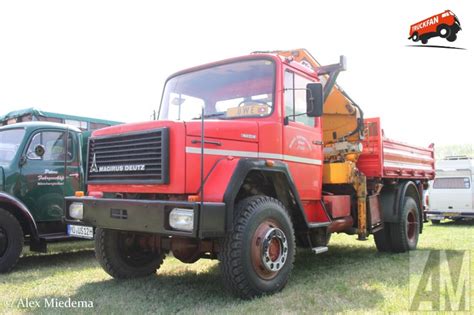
[(445, 25)]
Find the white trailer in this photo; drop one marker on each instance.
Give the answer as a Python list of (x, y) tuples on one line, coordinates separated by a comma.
[(452, 192)]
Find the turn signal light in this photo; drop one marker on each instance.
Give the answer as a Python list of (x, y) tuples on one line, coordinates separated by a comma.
[(79, 193), (269, 163), (194, 198)]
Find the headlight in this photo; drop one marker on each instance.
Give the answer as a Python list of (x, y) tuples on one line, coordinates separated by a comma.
[(182, 219), (76, 210)]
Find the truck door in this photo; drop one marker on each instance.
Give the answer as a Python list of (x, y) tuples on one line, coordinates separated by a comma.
[(302, 139), (45, 178)]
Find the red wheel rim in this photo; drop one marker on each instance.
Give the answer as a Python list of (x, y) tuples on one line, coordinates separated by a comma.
[(412, 224), (269, 250)]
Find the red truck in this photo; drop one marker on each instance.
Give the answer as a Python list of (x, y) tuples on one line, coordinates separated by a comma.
[(244, 164), (445, 25)]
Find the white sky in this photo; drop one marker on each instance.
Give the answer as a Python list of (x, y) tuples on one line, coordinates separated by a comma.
[(109, 59)]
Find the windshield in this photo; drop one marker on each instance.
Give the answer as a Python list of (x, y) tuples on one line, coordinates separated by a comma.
[(235, 90), (9, 142)]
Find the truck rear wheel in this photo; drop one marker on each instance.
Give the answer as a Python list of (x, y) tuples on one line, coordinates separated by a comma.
[(11, 241), (382, 239), (452, 38), (121, 256), (404, 234), (257, 256)]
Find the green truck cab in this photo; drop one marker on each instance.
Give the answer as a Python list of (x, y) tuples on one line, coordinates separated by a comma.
[(40, 164)]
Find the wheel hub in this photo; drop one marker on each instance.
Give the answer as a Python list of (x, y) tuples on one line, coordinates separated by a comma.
[(3, 242), (411, 226), (274, 250)]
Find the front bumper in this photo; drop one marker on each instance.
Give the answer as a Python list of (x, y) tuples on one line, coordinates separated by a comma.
[(440, 214), (149, 216)]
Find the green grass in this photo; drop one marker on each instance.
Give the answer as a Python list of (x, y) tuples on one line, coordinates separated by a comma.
[(351, 277)]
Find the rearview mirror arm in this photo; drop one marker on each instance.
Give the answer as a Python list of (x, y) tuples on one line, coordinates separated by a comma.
[(332, 71)]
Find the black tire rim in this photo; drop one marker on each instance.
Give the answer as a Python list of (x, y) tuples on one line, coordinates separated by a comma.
[(3, 242)]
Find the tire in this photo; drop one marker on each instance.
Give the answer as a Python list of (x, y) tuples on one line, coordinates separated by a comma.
[(11, 241), (435, 222), (121, 257), (257, 255), (404, 234), (452, 38), (444, 31), (415, 37), (424, 41), (382, 239)]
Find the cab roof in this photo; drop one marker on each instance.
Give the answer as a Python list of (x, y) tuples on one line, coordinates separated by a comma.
[(40, 124)]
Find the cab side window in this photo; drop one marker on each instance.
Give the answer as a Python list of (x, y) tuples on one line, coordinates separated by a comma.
[(295, 98), (54, 145)]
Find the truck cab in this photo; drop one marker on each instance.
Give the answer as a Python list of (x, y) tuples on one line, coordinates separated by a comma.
[(40, 164)]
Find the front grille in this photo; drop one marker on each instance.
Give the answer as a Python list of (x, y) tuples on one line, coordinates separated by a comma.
[(131, 158)]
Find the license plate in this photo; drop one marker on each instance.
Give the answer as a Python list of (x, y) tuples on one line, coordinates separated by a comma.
[(80, 231)]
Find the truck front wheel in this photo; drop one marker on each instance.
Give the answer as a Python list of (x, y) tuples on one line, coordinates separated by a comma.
[(123, 256), (444, 31), (404, 234), (257, 256), (11, 241)]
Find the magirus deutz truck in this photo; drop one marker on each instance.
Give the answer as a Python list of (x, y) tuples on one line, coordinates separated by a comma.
[(250, 157)]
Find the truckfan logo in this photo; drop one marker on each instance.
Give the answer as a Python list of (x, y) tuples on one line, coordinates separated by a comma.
[(445, 25), (115, 168)]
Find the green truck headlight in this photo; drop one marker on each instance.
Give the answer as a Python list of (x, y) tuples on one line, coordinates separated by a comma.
[(182, 219), (76, 210)]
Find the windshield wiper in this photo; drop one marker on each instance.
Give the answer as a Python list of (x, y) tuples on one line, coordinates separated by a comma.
[(211, 115)]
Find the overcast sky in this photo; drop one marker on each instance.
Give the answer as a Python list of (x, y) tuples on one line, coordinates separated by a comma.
[(109, 59)]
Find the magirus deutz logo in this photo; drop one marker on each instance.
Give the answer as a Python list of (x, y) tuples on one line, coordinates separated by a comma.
[(114, 168), (445, 25)]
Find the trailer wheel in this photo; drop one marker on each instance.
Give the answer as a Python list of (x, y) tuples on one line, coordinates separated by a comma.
[(257, 256), (424, 41), (405, 233), (121, 256), (382, 239), (444, 31), (415, 37), (11, 241), (452, 38), (435, 222)]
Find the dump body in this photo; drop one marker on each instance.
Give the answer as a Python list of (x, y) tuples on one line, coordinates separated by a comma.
[(386, 158)]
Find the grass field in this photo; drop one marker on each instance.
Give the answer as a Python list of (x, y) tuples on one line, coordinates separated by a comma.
[(351, 277)]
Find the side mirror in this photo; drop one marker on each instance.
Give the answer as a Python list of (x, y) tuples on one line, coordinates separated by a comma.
[(39, 150), (314, 99)]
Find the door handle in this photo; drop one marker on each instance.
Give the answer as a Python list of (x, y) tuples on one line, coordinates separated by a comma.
[(317, 142), (207, 142)]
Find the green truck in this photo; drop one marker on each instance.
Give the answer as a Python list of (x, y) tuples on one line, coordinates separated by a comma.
[(41, 162)]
